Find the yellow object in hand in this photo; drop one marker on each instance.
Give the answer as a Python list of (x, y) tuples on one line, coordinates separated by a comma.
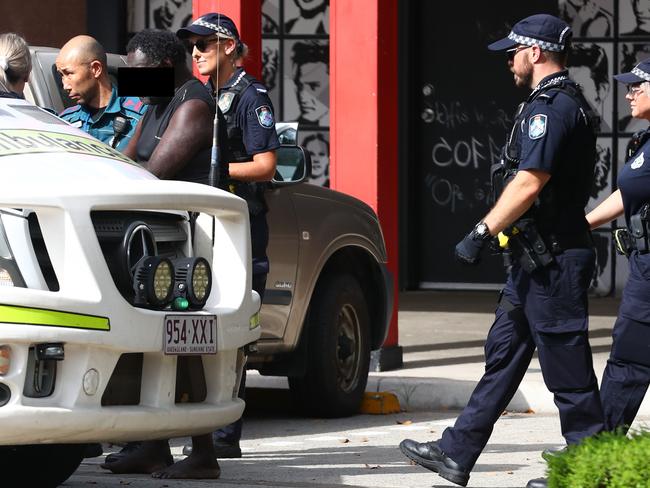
[(503, 240)]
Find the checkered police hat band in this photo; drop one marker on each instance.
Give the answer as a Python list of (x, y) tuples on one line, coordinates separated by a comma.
[(530, 41), (217, 28), (641, 74)]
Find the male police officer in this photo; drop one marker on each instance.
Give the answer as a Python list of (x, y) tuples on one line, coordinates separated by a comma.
[(100, 112), (549, 164)]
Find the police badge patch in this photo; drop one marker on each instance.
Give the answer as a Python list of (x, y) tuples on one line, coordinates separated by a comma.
[(537, 126), (225, 101), (638, 162), (265, 116)]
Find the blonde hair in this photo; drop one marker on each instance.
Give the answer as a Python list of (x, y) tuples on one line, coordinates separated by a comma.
[(15, 60)]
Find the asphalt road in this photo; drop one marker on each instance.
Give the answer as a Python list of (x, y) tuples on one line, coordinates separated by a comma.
[(361, 451)]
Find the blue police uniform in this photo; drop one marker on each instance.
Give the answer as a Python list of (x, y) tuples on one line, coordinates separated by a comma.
[(131, 108), (627, 375), (544, 302)]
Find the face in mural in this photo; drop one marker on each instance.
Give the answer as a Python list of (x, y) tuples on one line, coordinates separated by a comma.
[(319, 151), (312, 90)]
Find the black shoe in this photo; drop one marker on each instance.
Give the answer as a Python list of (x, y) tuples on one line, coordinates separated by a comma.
[(127, 449), (93, 450), (430, 456), (222, 449), (537, 483), (547, 453)]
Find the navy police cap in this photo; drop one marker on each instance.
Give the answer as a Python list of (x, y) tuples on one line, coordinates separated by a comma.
[(210, 24), (543, 30), (641, 72)]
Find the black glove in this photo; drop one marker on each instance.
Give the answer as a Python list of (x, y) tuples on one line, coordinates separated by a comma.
[(469, 249)]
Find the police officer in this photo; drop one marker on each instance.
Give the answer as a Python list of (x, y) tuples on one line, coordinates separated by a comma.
[(218, 52), (99, 111), (627, 375), (549, 161)]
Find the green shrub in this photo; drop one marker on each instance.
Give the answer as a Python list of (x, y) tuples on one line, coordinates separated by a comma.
[(609, 460)]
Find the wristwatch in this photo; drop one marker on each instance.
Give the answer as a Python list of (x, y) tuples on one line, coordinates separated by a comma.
[(482, 231)]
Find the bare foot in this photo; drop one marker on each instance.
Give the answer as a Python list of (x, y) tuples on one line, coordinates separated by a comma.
[(191, 468), (151, 456)]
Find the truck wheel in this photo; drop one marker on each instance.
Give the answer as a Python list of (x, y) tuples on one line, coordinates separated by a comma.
[(339, 350), (43, 465)]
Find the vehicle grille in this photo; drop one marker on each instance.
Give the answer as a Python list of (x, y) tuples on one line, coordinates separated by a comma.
[(169, 231)]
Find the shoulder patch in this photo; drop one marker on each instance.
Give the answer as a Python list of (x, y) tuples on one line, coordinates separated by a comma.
[(537, 126), (638, 162), (265, 116), (225, 101), (133, 104)]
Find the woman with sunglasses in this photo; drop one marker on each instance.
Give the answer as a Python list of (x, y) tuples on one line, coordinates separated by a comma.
[(627, 374), (250, 150)]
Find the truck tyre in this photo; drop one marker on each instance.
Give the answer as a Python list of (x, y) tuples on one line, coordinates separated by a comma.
[(338, 349), (44, 465)]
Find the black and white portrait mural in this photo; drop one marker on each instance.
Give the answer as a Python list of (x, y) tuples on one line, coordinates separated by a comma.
[(317, 144), (270, 17), (159, 14), (306, 17), (634, 17), (588, 18), (270, 69), (306, 88), (591, 65)]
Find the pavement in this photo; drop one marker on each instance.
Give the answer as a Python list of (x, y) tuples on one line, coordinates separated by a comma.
[(442, 334)]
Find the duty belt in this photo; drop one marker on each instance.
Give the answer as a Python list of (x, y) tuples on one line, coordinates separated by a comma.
[(634, 238)]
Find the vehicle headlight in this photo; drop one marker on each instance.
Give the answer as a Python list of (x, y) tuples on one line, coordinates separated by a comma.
[(153, 282), (193, 282), (9, 272)]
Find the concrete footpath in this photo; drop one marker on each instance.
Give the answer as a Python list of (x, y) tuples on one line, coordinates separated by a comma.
[(443, 334)]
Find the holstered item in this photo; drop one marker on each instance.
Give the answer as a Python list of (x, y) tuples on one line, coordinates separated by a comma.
[(639, 229), (623, 242), (528, 246)]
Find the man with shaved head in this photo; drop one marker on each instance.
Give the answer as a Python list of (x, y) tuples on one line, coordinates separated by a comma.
[(99, 111)]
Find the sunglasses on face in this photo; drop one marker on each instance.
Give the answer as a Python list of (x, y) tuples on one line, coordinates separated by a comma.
[(512, 52), (634, 90), (202, 44)]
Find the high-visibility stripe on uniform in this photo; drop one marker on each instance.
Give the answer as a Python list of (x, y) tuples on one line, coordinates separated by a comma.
[(10, 314)]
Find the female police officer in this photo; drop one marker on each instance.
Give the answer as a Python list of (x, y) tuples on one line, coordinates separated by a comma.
[(218, 52), (15, 65), (627, 374)]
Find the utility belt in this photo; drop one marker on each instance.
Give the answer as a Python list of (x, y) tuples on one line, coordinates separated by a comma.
[(253, 193), (634, 238), (523, 243)]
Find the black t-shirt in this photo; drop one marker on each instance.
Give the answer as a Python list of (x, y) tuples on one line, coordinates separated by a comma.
[(155, 122)]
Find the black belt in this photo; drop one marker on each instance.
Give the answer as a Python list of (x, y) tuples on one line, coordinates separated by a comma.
[(559, 243), (625, 242)]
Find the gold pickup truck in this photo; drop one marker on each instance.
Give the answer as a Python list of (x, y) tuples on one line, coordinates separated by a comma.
[(329, 295)]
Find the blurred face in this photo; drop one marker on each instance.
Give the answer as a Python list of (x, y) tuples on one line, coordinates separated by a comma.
[(312, 88), (80, 79), (639, 101), (209, 52), (320, 157), (520, 66)]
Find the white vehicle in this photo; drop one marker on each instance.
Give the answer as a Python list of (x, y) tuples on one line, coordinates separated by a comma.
[(121, 318)]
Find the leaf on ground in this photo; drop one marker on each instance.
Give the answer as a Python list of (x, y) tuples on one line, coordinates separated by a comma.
[(530, 410), (344, 441), (371, 467), (363, 439), (404, 422)]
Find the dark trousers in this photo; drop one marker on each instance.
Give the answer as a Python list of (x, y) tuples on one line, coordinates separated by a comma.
[(627, 375), (546, 310), (259, 239)]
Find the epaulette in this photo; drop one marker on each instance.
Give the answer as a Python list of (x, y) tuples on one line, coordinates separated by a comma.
[(70, 110), (133, 104)]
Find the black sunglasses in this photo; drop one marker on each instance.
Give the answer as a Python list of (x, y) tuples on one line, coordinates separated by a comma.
[(202, 44), (512, 52)]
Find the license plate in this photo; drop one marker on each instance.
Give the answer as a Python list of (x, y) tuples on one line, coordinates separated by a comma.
[(190, 334)]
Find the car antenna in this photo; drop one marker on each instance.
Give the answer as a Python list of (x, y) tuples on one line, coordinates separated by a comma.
[(213, 176)]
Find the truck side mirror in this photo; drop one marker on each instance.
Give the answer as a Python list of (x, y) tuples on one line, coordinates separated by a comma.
[(293, 165)]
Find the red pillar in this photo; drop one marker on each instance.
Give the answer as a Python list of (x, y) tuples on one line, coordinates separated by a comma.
[(363, 123), (247, 15)]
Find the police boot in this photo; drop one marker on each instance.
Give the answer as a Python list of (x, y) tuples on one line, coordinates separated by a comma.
[(537, 483), (430, 456)]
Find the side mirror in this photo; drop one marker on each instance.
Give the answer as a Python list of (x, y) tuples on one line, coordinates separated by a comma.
[(293, 166)]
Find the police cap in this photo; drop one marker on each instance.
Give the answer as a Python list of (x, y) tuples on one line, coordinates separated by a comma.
[(543, 30), (210, 24), (640, 73)]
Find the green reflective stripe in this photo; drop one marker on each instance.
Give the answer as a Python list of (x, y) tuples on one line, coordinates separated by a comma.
[(36, 316)]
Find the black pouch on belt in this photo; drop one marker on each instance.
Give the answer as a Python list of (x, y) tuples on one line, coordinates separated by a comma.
[(623, 242)]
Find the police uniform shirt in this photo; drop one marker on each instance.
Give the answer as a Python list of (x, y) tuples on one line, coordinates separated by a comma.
[(253, 114), (555, 137), (130, 108), (634, 181)]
